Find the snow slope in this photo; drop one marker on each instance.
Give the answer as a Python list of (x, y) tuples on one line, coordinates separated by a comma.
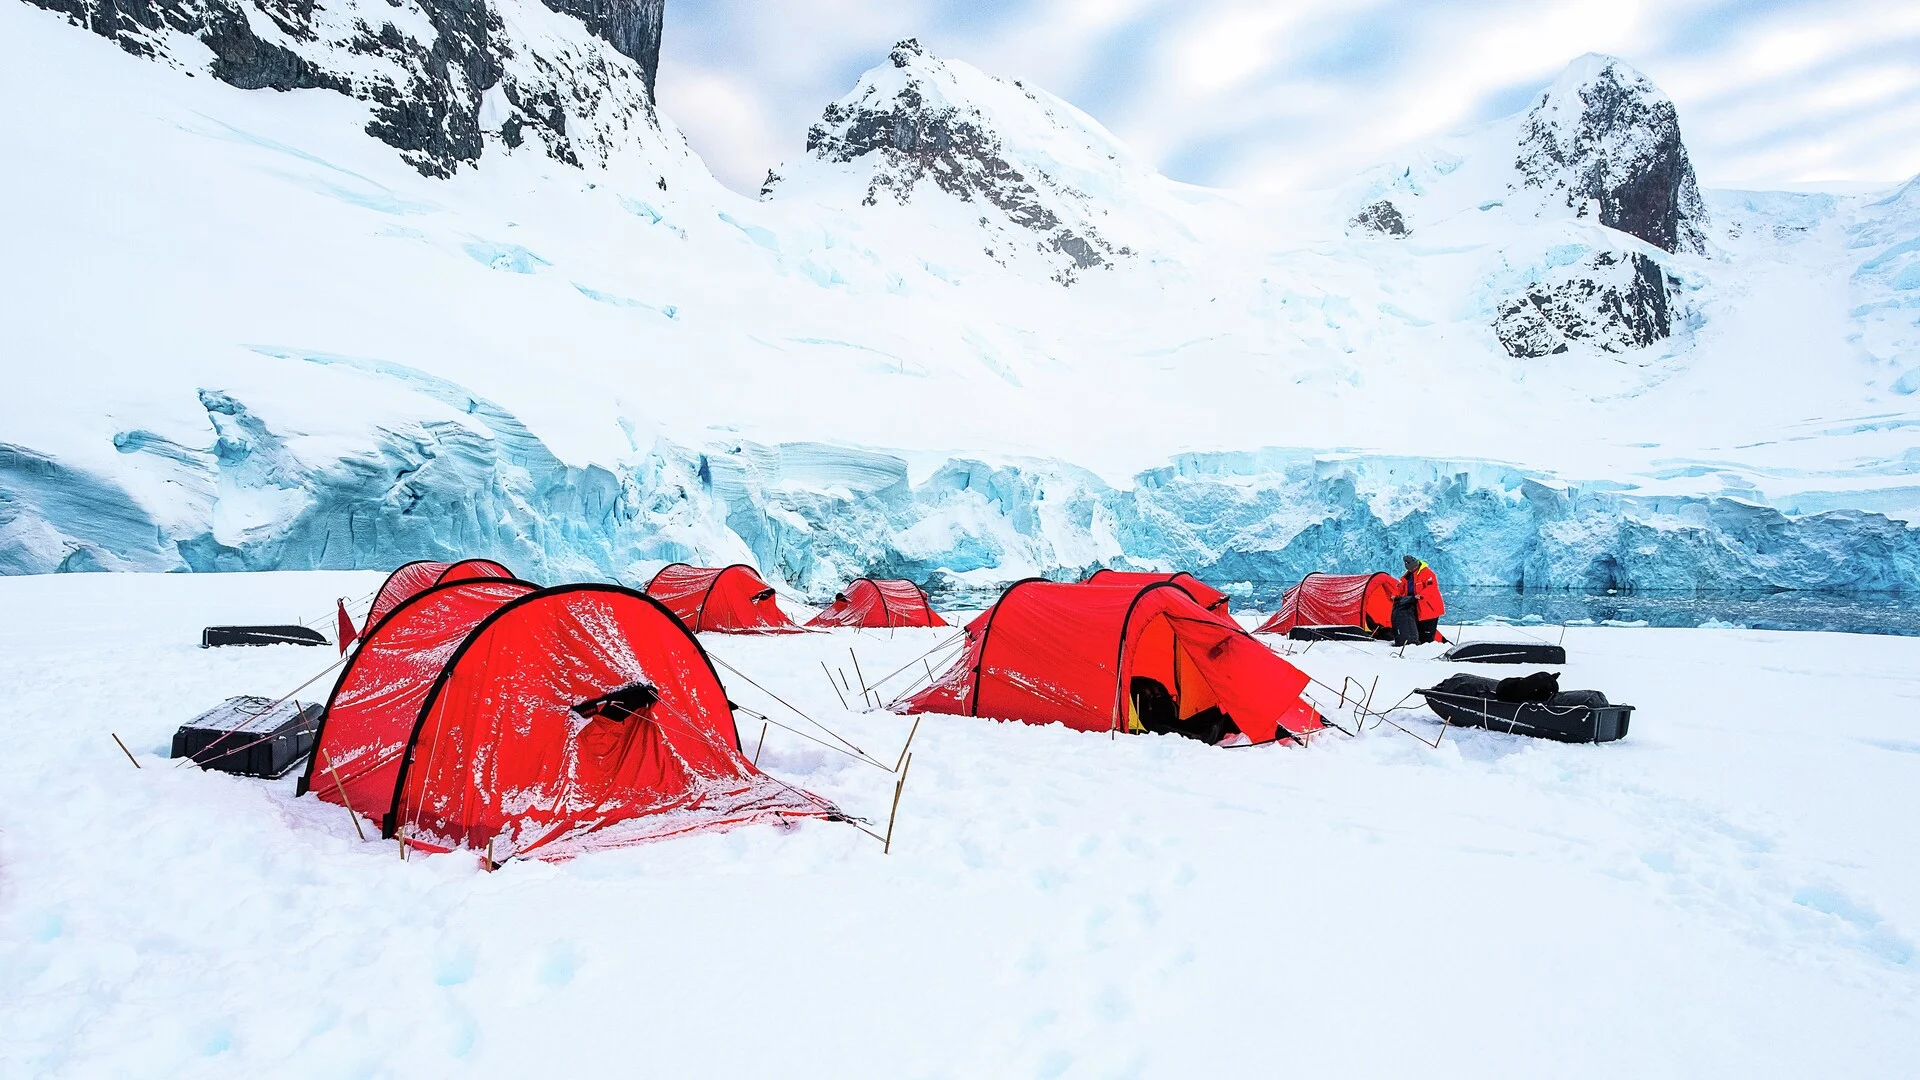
[(244, 333), (1732, 891)]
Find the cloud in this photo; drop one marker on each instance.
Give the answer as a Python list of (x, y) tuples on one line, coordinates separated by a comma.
[(1287, 94)]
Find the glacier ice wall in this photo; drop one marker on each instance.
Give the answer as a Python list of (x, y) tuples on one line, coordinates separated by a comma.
[(815, 515)]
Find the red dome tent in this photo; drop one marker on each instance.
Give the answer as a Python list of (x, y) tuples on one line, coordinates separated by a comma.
[(879, 602), (1209, 597), (1362, 602), (1052, 652), (493, 715), (415, 577), (729, 599)]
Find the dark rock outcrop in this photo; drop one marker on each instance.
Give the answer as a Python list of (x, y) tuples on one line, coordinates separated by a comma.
[(1613, 301), (1382, 217), (1605, 136), (913, 135), (429, 96)]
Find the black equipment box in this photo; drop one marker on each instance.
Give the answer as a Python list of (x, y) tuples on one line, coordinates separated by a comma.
[(1574, 716), (216, 636), (1506, 652), (250, 736)]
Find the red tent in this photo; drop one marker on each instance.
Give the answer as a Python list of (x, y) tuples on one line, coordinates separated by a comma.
[(1052, 652), (491, 714), (356, 751), (1361, 601), (415, 577), (1210, 598), (879, 602), (729, 599)]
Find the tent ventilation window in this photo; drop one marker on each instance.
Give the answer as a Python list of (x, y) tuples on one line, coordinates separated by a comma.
[(620, 704)]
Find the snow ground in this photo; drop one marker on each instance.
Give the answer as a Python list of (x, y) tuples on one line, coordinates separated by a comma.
[(1732, 891)]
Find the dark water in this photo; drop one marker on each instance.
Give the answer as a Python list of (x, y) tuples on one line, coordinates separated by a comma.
[(1872, 613)]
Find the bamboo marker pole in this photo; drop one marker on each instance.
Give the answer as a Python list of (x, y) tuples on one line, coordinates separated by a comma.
[(886, 846), (342, 789), (835, 685), (858, 675), (897, 762), (758, 745), (124, 750)]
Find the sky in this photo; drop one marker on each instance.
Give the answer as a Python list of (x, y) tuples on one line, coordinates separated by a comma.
[(1287, 95)]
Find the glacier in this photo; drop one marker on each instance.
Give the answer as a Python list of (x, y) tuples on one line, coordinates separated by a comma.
[(814, 515)]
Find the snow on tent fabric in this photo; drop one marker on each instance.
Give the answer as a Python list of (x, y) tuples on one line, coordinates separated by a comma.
[(1361, 601), (728, 600), (882, 602), (376, 701), (415, 577), (583, 709), (1209, 597), (1068, 653)]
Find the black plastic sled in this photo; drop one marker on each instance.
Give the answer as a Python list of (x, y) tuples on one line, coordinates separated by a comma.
[(1505, 652), (1330, 633), (215, 636), (1573, 716), (250, 736)]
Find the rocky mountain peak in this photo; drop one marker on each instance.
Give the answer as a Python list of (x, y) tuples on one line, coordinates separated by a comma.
[(1606, 137), (1025, 158), (442, 76)]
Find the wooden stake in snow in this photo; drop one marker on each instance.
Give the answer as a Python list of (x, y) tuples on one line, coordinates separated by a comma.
[(886, 846), (342, 789), (761, 743), (835, 685), (897, 762), (124, 750), (858, 675)]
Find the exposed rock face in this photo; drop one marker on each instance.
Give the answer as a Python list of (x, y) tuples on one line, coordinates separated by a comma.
[(1613, 301), (436, 96), (1382, 217), (920, 123), (1605, 136)]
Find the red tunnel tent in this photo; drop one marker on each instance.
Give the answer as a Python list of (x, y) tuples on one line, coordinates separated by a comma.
[(1053, 652), (879, 602), (545, 722), (1209, 597), (370, 716), (1361, 601), (414, 577), (728, 600)]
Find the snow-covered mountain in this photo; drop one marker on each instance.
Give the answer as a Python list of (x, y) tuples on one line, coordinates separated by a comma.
[(575, 77), (1041, 175), (467, 292)]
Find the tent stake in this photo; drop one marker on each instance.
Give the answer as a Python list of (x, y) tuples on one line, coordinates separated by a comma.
[(758, 745), (124, 750), (886, 846), (835, 685), (490, 863), (342, 789), (843, 677)]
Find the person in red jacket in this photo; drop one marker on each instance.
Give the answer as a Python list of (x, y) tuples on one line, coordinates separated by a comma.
[(1421, 584)]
